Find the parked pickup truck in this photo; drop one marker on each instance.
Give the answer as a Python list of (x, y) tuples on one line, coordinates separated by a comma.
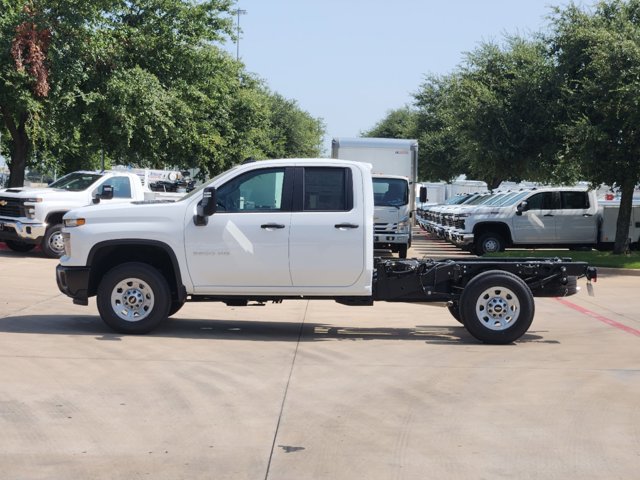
[(33, 216), (284, 229), (542, 217)]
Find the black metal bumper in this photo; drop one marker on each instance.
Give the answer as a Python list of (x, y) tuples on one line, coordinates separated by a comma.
[(74, 282)]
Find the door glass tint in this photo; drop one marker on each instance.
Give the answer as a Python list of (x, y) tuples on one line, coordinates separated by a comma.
[(256, 191), (325, 189), (574, 200), (541, 201)]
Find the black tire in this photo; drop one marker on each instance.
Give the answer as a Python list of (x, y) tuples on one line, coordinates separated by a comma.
[(497, 307), (557, 289), (489, 243), (402, 251), (133, 298), (52, 244), (454, 310), (175, 307), (19, 246)]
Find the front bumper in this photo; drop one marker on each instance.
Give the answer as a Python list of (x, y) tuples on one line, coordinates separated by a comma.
[(391, 239), (12, 229), (74, 283), (462, 239)]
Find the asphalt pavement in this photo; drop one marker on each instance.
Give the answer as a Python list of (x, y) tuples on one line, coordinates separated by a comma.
[(316, 390)]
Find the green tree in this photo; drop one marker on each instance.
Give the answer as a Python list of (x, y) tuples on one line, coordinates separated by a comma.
[(598, 58), (399, 123), (438, 128), (508, 104), (293, 132)]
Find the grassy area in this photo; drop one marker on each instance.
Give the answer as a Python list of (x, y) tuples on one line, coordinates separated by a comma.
[(593, 257)]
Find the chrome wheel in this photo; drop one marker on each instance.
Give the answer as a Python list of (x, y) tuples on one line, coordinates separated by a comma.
[(498, 308), (132, 299), (56, 243)]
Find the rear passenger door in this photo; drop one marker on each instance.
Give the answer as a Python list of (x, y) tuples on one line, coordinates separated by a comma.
[(326, 241), (575, 220)]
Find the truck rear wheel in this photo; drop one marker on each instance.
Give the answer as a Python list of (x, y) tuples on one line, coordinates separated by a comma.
[(497, 307), (133, 298), (19, 246), (52, 243)]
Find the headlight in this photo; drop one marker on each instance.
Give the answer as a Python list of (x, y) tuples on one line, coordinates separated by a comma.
[(74, 222), (404, 225), (33, 200)]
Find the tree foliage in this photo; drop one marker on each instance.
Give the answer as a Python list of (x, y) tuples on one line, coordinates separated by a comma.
[(140, 82), (598, 60)]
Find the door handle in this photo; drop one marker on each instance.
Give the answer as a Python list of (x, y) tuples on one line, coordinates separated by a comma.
[(548, 215), (271, 225), (587, 215), (346, 225)]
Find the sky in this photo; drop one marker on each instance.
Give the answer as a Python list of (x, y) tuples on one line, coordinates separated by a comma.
[(350, 62)]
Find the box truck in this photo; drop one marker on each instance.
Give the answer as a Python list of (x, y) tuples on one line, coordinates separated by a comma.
[(395, 172)]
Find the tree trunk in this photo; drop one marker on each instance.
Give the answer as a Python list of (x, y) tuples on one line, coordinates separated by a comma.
[(19, 148), (624, 216)]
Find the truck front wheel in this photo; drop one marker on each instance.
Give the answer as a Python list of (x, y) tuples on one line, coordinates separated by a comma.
[(133, 298), (52, 243), (497, 307), (402, 251), (489, 243)]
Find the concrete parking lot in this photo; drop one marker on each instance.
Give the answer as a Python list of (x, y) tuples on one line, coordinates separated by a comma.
[(316, 390)]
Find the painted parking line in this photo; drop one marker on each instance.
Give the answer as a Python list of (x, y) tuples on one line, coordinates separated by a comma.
[(599, 317)]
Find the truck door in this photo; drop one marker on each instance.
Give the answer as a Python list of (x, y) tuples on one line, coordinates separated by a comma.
[(576, 220), (327, 232), (537, 224), (246, 242), (122, 191)]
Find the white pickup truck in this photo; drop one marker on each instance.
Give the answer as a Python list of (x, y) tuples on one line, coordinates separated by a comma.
[(541, 217), (33, 216), (284, 229)]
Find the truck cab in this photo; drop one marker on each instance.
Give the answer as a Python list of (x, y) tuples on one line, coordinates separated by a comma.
[(33, 216)]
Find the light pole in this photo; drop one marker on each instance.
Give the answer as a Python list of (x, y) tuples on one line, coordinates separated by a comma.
[(239, 12)]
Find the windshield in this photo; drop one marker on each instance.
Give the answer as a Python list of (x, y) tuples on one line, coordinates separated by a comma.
[(512, 199), (76, 181), (390, 192)]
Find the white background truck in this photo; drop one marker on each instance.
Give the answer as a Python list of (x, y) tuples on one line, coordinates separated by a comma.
[(541, 217), (395, 172), (283, 229), (33, 216)]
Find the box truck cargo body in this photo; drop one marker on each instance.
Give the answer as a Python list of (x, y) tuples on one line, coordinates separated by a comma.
[(394, 172)]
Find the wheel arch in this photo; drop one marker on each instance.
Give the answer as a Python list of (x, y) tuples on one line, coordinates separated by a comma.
[(54, 218), (106, 255), (497, 227)]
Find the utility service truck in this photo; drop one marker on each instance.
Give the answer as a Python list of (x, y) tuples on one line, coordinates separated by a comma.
[(33, 216), (284, 229), (395, 174)]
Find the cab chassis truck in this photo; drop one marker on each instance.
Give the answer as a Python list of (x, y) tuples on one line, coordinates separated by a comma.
[(285, 229)]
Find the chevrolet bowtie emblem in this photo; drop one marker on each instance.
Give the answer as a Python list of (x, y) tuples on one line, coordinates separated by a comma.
[(3, 203)]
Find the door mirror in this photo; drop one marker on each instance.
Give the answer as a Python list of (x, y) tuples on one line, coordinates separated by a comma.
[(206, 207), (522, 207), (105, 193), (423, 195)]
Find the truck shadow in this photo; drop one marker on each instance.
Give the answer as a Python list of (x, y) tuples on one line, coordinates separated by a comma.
[(246, 330)]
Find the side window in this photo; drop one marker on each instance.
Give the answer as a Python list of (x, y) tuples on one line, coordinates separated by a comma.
[(121, 186), (574, 200), (327, 189), (257, 191), (541, 201)]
